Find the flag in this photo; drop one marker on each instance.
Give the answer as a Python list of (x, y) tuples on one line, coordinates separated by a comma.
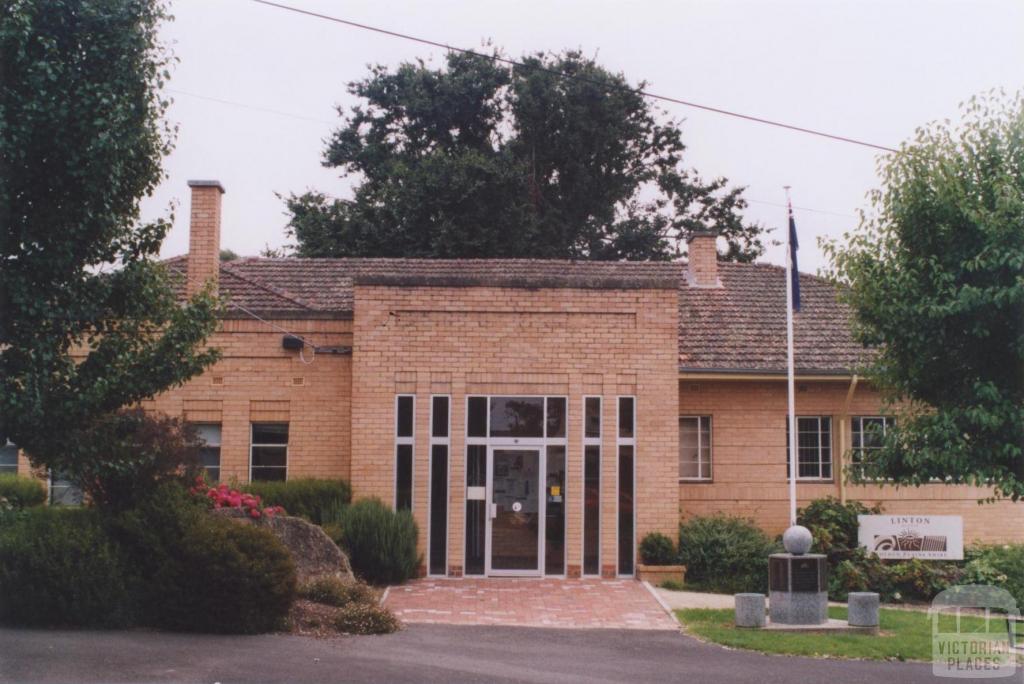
[(794, 245)]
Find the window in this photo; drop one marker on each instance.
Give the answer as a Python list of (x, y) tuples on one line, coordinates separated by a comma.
[(269, 452), (695, 448), (405, 409), (592, 485), (868, 433), (518, 417), (814, 447), (64, 491), (209, 454), (437, 563), (8, 457), (627, 455)]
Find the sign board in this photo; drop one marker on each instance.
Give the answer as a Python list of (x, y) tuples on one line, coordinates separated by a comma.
[(928, 537)]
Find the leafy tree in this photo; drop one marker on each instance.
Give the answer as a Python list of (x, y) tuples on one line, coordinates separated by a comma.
[(228, 255), (480, 160), (936, 283), (88, 322)]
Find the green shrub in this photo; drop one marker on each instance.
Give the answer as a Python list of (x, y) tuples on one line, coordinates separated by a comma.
[(60, 568), (22, 492), (673, 585), (319, 501), (203, 572), (1000, 565), (725, 554), (333, 591), (362, 618), (833, 526), (380, 541), (657, 549)]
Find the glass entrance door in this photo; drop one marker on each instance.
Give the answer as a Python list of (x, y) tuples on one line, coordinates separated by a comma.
[(516, 511)]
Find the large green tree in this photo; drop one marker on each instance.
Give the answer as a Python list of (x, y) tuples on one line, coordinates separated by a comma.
[(88, 321), (556, 158), (936, 282)]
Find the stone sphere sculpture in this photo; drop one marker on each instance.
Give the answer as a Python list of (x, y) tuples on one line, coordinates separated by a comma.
[(797, 540)]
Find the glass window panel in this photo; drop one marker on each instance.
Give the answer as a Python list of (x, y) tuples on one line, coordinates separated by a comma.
[(476, 421), (554, 539), (270, 433), (517, 417), (269, 474), (439, 509), (269, 456), (209, 433), (63, 491), (8, 457), (476, 523), (403, 477), (404, 421), (591, 509), (556, 417), (440, 417), (626, 417), (592, 417), (689, 469), (209, 458), (626, 542)]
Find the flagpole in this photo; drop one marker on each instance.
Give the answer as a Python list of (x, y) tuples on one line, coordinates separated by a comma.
[(790, 372)]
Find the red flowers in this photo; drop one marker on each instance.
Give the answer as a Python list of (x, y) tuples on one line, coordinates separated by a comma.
[(222, 496)]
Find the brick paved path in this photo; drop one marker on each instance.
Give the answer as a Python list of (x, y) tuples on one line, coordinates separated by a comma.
[(570, 603)]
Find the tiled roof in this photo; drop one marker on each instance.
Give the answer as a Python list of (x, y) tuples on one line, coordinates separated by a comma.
[(739, 327)]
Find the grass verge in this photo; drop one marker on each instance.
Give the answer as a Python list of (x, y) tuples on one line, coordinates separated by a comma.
[(905, 635)]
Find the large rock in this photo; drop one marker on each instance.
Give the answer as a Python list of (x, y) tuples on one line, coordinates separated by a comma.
[(314, 553)]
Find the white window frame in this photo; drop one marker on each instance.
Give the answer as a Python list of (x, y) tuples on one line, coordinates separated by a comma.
[(621, 441), (411, 441), (219, 444), (590, 442), (855, 451), (831, 458), (701, 449), (436, 441), (286, 445)]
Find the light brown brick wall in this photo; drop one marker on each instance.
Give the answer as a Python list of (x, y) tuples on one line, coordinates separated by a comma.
[(257, 380), (749, 452), (463, 341)]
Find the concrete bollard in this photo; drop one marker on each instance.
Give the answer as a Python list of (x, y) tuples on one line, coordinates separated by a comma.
[(750, 610), (863, 609)]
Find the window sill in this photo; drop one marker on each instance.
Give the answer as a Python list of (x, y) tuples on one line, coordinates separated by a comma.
[(696, 480)]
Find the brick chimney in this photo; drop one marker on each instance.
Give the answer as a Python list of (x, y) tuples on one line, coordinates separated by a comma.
[(204, 235), (702, 270)]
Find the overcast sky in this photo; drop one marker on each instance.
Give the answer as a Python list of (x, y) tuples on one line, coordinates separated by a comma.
[(256, 88)]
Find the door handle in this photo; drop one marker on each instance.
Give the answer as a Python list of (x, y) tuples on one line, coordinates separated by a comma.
[(494, 510)]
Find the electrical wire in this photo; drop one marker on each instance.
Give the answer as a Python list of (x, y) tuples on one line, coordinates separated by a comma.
[(608, 86)]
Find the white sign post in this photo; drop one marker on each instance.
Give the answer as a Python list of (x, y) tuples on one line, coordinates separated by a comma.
[(928, 537)]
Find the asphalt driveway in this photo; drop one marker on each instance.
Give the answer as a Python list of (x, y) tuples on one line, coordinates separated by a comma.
[(420, 653)]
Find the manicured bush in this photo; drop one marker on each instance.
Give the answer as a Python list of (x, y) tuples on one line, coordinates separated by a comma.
[(1000, 565), (319, 501), (381, 542), (725, 554), (205, 573), (363, 618), (833, 525), (657, 549), (22, 492), (333, 591), (60, 568)]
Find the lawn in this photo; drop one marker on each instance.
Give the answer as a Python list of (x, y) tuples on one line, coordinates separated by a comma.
[(905, 635)]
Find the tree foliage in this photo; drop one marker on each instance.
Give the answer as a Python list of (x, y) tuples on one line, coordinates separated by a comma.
[(936, 283), (477, 159), (88, 321)]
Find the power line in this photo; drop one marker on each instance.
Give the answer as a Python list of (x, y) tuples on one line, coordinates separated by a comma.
[(514, 63), (244, 105), (816, 211)]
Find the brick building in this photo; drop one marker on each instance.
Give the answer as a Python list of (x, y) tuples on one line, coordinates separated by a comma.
[(538, 417)]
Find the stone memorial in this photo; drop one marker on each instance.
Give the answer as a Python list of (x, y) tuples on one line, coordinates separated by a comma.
[(798, 582), (750, 610)]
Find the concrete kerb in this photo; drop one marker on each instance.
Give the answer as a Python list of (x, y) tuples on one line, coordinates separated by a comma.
[(662, 603)]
